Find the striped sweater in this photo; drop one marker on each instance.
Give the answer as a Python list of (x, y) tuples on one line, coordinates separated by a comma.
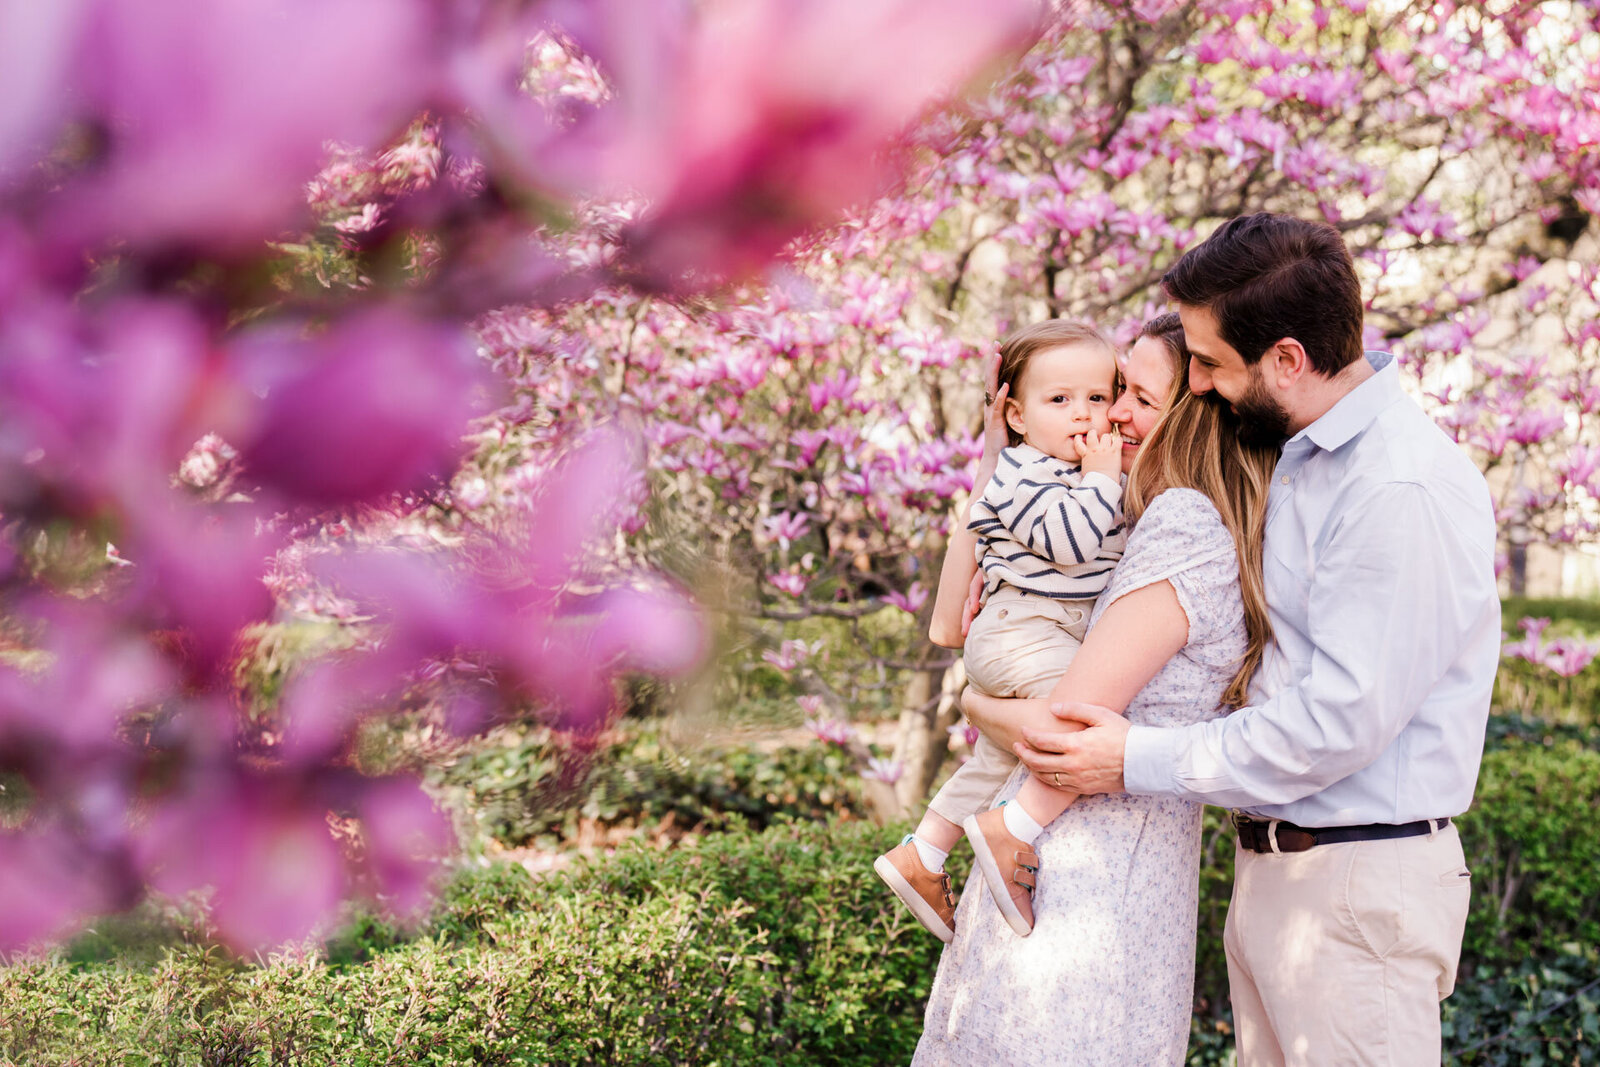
[(1045, 527)]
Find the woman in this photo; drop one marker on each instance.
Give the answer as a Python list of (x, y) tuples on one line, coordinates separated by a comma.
[(1107, 976)]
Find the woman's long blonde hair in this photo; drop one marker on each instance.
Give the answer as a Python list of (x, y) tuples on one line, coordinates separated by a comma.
[(1195, 446)]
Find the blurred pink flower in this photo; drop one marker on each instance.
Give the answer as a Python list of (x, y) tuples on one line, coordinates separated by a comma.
[(786, 527), (791, 654), (406, 835), (211, 140), (100, 409), (46, 885), (37, 45), (1568, 656), (910, 601), (93, 675), (887, 771), (261, 845), (964, 732), (831, 731), (788, 582), (753, 122), (376, 404)]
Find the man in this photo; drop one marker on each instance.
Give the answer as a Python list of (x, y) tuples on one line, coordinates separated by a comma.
[(1366, 722)]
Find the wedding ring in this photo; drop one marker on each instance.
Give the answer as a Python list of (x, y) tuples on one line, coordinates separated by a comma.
[(1055, 776), (988, 399)]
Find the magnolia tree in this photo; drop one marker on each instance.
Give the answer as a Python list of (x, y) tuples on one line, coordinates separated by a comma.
[(226, 405), (808, 438)]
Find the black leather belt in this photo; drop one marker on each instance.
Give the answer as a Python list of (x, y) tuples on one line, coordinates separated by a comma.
[(1258, 835)]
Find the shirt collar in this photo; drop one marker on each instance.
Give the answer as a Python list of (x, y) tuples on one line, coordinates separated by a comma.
[(1356, 409)]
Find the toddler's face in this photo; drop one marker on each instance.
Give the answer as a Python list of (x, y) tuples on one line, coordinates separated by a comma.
[(1064, 392)]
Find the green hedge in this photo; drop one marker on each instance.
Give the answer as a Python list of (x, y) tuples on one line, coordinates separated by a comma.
[(777, 947), (533, 789), (1582, 612)]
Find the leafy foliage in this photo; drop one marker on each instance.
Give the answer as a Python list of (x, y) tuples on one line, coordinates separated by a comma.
[(536, 789), (775, 948)]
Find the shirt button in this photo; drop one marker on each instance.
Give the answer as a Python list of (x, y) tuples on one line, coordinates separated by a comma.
[(1004, 612), (1285, 479)]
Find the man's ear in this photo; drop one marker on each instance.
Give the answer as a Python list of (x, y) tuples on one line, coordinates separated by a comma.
[(1014, 417), (1286, 362)]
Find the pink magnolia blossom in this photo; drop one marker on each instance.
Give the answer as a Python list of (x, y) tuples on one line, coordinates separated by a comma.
[(888, 771), (211, 142), (375, 405), (831, 731), (910, 601), (48, 886), (1568, 656), (786, 528), (963, 732), (791, 582), (792, 654), (264, 849), (787, 104)]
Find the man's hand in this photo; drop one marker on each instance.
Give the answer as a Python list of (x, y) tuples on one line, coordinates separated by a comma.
[(1101, 453), (1087, 761)]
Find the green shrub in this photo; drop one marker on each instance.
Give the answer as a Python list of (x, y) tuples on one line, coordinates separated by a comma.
[(778, 948), (773, 948), (536, 790), (1582, 612), (1539, 1012), (1535, 855)]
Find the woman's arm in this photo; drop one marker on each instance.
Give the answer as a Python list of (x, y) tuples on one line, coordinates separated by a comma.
[(960, 554), (1128, 645)]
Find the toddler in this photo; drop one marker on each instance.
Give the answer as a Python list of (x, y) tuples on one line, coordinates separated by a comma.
[(1049, 532)]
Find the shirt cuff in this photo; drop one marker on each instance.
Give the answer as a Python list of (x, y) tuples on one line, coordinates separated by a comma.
[(1150, 760), (1103, 482)]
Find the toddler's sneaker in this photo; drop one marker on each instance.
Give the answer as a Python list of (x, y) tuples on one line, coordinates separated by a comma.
[(1009, 865), (927, 894)]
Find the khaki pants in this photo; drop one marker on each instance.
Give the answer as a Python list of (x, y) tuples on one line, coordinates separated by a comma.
[(1019, 645), (1340, 955)]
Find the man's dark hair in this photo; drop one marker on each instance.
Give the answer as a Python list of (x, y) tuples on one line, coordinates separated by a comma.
[(1266, 277)]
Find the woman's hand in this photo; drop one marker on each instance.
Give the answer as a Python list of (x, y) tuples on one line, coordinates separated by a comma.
[(996, 434), (974, 604), (1003, 720)]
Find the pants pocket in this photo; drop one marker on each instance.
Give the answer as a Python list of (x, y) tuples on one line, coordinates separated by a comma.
[(1375, 894)]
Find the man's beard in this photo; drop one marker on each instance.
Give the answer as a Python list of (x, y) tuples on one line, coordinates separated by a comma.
[(1257, 416)]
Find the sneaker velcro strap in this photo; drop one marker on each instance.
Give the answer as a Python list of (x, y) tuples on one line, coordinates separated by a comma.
[(1025, 861)]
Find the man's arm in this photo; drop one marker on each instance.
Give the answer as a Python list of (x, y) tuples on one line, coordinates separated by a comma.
[(1387, 618)]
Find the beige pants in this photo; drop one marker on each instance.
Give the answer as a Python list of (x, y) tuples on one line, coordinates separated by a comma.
[(1340, 955), (1019, 645)]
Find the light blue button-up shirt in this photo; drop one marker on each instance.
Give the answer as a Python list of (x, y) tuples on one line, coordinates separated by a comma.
[(1372, 698)]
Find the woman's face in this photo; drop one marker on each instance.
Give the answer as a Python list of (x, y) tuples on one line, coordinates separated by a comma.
[(1148, 373)]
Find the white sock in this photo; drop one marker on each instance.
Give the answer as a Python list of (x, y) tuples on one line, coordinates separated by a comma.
[(1020, 823), (932, 858)]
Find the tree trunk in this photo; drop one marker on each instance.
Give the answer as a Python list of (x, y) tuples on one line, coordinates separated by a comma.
[(1517, 560), (927, 710)]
